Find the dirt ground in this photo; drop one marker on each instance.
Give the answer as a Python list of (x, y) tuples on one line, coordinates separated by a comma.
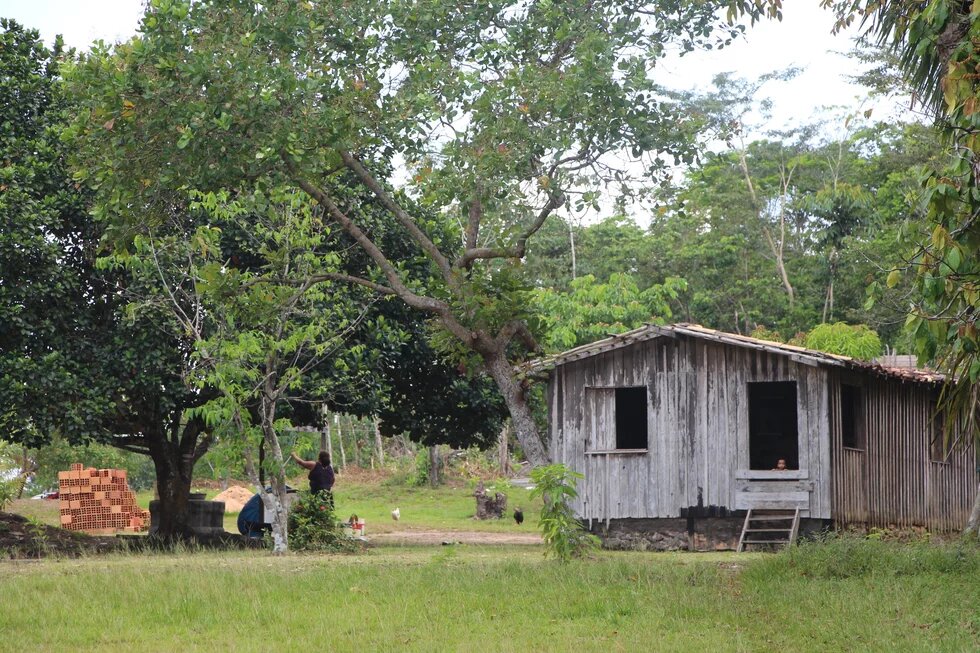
[(453, 537), (20, 538)]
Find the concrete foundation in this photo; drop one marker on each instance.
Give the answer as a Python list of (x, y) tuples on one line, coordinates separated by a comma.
[(681, 534), (203, 517)]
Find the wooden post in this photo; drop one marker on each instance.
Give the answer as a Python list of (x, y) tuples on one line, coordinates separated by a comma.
[(340, 440), (503, 452), (329, 447), (434, 465), (378, 443), (354, 438)]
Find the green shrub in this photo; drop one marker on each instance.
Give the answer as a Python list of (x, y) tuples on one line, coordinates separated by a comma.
[(564, 536), (420, 475), (857, 341), (314, 527)]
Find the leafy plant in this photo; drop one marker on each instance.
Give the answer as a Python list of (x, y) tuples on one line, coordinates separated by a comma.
[(39, 535), (420, 475), (8, 492), (857, 341), (313, 526), (564, 536)]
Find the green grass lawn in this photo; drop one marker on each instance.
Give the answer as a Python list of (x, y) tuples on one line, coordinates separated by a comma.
[(843, 595), (482, 599), (446, 508)]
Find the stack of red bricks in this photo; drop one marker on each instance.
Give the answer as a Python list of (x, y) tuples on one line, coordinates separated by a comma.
[(99, 501)]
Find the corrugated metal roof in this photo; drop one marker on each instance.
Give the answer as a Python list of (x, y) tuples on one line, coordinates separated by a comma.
[(799, 354)]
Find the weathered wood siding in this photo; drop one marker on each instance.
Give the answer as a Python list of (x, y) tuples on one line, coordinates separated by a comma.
[(892, 481), (698, 426)]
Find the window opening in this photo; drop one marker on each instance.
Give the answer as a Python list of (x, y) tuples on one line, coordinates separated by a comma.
[(631, 418), (852, 422), (773, 432)]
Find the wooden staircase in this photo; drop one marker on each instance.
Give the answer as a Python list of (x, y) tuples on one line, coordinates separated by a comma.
[(769, 528)]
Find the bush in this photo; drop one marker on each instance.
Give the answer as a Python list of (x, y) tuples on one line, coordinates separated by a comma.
[(564, 536), (420, 475), (314, 527), (8, 492), (856, 341)]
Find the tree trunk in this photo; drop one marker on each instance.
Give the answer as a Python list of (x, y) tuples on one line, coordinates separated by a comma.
[(434, 466), (340, 441), (174, 458), (174, 476), (973, 524), (522, 419), (379, 443), (571, 242), (329, 440), (274, 502)]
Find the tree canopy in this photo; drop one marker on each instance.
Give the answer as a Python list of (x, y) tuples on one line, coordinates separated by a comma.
[(501, 112)]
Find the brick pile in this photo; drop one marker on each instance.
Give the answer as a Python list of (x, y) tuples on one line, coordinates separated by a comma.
[(98, 501)]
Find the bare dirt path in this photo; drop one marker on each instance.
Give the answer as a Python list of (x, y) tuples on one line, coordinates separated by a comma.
[(457, 537)]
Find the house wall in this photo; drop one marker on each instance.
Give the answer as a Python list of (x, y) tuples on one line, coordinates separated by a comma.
[(697, 457), (892, 481)]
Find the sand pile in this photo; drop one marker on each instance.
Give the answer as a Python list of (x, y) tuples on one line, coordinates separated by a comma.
[(235, 498)]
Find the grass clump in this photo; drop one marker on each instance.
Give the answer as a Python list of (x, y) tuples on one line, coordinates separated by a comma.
[(841, 556)]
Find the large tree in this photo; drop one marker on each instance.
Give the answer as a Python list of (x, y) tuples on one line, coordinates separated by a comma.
[(71, 363), (500, 113)]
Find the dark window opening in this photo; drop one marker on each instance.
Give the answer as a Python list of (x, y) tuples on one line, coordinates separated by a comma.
[(851, 422), (631, 418), (773, 432)]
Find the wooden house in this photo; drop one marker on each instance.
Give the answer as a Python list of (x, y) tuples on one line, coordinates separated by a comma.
[(679, 431)]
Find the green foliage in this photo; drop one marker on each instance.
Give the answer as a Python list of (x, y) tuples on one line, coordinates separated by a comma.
[(856, 341), (314, 527), (764, 333), (496, 109), (420, 471), (59, 454), (938, 53), (564, 535), (590, 311), (8, 492)]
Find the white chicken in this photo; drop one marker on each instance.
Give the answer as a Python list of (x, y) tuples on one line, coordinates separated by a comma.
[(396, 514)]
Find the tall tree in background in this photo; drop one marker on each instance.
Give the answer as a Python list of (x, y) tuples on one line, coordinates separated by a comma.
[(503, 112)]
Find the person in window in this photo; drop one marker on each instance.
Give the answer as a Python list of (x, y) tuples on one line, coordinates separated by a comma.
[(780, 465), (321, 474)]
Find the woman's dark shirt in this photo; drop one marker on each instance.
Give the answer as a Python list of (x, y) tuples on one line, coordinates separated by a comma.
[(321, 478)]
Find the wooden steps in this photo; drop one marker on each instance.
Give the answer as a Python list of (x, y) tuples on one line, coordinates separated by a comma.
[(769, 528)]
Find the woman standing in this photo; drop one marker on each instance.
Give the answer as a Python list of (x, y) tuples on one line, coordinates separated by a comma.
[(321, 473)]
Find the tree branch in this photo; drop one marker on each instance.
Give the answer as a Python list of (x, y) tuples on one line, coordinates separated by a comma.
[(400, 214), (555, 201), (397, 285)]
